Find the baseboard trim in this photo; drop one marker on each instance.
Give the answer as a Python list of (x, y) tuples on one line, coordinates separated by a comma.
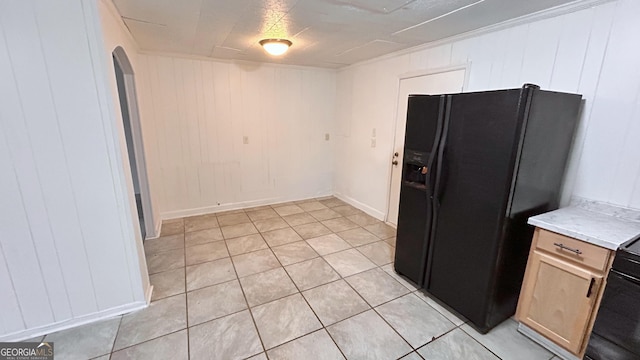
[(545, 343), (157, 234), (366, 208), (271, 201), (67, 324), (235, 206)]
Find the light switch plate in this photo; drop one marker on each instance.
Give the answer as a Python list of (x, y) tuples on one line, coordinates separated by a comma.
[(373, 143), (245, 140), (326, 137)]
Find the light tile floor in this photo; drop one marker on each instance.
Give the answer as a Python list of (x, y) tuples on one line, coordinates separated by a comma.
[(310, 279)]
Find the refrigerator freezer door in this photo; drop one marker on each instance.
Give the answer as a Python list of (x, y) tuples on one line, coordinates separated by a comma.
[(424, 125), (475, 176), (422, 122)]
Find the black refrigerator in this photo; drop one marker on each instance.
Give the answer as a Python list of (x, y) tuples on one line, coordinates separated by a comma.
[(476, 166)]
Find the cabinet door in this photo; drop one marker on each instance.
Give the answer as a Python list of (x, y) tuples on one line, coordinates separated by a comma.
[(558, 299)]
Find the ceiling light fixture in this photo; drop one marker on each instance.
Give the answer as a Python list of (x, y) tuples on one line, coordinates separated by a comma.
[(275, 47)]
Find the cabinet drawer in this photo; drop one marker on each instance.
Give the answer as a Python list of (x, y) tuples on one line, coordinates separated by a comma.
[(589, 255)]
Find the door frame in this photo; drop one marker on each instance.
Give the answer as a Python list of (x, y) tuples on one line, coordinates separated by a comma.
[(121, 57), (408, 75)]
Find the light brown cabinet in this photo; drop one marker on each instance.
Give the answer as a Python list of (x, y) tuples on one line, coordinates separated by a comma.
[(562, 288)]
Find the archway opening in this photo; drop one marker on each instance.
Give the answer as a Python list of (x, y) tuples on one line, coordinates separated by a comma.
[(133, 136)]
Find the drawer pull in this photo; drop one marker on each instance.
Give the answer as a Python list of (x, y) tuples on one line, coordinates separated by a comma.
[(593, 281), (563, 247)]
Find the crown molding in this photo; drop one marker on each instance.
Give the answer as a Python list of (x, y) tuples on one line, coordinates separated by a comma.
[(559, 10)]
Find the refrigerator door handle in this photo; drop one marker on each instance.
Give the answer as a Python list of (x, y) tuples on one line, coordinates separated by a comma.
[(428, 169), (435, 170), (441, 170)]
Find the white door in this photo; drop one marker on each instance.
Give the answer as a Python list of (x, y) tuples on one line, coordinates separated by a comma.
[(438, 83)]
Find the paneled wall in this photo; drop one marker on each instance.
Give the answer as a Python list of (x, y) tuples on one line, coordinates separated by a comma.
[(591, 52), (66, 256), (225, 135)]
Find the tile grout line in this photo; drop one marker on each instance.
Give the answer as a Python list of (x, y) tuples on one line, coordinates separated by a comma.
[(323, 327), (149, 340), (440, 312), (371, 308), (306, 302), (170, 333), (481, 344), (244, 295), (379, 315), (344, 279), (115, 338), (377, 266), (435, 338), (186, 296)]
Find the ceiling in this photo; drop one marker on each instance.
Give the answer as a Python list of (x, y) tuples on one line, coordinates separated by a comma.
[(325, 33)]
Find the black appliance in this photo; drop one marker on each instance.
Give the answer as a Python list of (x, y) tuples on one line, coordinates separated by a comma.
[(616, 331), (476, 167)]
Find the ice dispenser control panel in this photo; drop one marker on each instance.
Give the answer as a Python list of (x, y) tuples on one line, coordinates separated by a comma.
[(415, 168)]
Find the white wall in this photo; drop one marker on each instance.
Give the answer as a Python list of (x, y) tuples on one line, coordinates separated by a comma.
[(592, 52), (198, 112), (67, 255)]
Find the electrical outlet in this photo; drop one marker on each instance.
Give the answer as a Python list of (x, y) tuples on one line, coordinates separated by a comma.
[(245, 140), (373, 143), (326, 137)]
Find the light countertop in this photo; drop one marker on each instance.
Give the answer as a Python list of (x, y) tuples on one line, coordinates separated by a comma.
[(597, 223)]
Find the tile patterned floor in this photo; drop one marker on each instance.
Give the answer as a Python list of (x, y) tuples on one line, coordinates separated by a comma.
[(309, 279)]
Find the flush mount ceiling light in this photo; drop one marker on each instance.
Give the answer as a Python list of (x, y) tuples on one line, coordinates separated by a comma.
[(275, 47)]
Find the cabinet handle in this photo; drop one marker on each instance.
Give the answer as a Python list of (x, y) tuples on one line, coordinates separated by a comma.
[(563, 247), (593, 281)]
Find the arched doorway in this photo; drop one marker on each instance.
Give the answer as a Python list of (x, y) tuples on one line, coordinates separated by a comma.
[(133, 134)]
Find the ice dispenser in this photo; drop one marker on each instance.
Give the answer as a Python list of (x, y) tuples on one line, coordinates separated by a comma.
[(415, 170)]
